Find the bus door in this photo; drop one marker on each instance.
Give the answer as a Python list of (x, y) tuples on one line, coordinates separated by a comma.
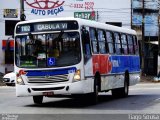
[(86, 51)]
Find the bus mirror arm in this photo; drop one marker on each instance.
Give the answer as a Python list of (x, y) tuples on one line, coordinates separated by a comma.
[(13, 36), (60, 34), (30, 36)]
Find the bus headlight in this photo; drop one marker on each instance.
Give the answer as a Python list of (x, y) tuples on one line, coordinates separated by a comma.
[(77, 75), (19, 81)]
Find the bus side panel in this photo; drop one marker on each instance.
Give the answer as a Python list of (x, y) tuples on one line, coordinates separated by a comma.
[(122, 63), (88, 69), (101, 64), (111, 82), (107, 65), (134, 79)]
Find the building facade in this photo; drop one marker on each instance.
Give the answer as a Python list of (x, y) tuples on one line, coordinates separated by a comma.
[(147, 12)]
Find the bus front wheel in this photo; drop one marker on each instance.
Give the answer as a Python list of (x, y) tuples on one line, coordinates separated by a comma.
[(38, 99), (93, 97)]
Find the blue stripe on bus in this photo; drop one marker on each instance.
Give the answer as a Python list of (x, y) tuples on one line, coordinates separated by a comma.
[(123, 63), (51, 72)]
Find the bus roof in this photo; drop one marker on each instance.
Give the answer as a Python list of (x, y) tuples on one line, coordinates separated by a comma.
[(85, 23)]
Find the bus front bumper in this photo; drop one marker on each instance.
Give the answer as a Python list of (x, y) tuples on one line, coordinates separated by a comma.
[(81, 87)]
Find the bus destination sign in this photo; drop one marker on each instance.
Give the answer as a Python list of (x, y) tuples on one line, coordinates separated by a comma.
[(50, 26), (25, 28), (47, 26)]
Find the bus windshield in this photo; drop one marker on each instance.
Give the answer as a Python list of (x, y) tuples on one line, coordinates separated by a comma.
[(47, 50)]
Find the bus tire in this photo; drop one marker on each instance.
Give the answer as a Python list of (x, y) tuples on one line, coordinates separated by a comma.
[(122, 92), (38, 99), (126, 85), (93, 97)]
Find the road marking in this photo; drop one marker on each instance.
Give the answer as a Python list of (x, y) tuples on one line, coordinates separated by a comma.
[(6, 87)]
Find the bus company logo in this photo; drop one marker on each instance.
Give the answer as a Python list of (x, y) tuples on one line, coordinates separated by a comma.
[(45, 7)]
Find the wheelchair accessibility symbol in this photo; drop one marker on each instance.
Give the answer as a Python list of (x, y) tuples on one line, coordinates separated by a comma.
[(51, 61)]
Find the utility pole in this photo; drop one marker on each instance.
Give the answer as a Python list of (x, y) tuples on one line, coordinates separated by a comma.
[(158, 66), (97, 16), (143, 38), (159, 28), (22, 15), (131, 14)]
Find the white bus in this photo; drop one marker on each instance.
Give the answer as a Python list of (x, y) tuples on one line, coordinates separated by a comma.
[(72, 56)]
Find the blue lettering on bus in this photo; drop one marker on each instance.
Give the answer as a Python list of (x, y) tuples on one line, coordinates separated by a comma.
[(123, 63)]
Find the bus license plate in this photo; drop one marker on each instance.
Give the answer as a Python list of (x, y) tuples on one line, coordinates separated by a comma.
[(48, 93)]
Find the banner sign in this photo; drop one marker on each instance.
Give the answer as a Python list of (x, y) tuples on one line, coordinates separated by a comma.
[(10, 13), (85, 15)]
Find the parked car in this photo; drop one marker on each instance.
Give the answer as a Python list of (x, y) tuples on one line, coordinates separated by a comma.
[(9, 78)]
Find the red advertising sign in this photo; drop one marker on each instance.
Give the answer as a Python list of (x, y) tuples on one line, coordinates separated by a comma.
[(83, 5), (45, 7), (44, 4)]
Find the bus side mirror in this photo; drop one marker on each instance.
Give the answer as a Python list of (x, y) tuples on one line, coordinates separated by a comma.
[(13, 36)]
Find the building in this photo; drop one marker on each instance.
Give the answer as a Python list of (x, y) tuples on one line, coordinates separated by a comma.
[(149, 10), (8, 17), (110, 11)]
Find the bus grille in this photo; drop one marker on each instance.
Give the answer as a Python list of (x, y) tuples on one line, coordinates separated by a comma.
[(44, 89), (48, 79)]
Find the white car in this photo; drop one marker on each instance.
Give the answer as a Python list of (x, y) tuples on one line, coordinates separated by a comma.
[(9, 78)]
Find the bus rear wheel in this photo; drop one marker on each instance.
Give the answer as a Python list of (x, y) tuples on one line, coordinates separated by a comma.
[(38, 99)]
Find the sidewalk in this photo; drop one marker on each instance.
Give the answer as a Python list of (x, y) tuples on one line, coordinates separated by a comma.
[(147, 79), (2, 83)]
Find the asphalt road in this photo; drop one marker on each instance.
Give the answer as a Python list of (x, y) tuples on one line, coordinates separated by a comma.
[(143, 99)]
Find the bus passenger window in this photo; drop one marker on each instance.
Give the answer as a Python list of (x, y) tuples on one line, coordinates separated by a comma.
[(117, 43), (101, 40), (86, 43), (135, 45), (130, 44), (109, 38), (124, 44), (94, 40)]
